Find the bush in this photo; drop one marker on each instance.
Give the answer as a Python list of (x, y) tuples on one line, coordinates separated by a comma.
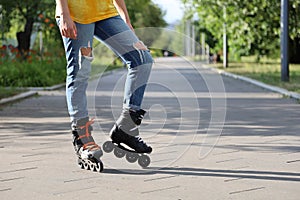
[(33, 73)]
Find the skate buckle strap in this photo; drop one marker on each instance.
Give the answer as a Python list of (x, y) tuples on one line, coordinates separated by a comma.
[(86, 126), (91, 146), (87, 134)]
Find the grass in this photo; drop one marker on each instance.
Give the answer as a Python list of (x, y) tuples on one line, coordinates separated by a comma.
[(15, 75), (267, 72), (45, 71), (8, 92)]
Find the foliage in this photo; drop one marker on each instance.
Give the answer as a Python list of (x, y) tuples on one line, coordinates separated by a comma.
[(35, 72), (253, 27), (38, 11), (27, 13), (144, 13)]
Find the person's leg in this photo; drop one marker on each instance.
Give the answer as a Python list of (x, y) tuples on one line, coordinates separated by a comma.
[(79, 56), (115, 33), (121, 39), (78, 70)]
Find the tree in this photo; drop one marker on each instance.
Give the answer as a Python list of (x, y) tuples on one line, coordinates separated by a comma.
[(253, 26), (294, 21), (27, 12), (144, 13)]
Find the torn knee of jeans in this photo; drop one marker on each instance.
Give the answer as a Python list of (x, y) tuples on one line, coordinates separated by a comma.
[(87, 53), (140, 46)]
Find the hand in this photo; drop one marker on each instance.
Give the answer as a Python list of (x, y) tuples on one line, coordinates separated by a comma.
[(67, 27)]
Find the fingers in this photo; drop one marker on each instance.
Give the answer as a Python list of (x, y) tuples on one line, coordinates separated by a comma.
[(70, 33), (69, 30), (74, 32)]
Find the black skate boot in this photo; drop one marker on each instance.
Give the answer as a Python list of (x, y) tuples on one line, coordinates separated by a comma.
[(125, 138), (87, 150)]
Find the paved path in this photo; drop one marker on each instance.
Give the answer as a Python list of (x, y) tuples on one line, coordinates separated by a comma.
[(213, 138)]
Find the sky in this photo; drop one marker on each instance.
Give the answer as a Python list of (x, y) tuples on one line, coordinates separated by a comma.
[(173, 9)]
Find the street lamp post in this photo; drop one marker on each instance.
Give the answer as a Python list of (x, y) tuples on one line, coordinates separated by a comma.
[(284, 25)]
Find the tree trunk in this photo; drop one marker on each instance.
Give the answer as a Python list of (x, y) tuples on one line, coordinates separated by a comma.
[(295, 50), (23, 38)]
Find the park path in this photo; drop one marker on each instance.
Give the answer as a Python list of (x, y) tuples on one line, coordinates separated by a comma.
[(213, 137)]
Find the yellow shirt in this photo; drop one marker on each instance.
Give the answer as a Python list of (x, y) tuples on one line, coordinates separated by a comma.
[(89, 11)]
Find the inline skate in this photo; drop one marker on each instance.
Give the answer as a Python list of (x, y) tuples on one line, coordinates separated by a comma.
[(86, 149), (125, 140)]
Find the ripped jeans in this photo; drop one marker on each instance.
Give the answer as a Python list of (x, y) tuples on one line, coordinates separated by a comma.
[(115, 34)]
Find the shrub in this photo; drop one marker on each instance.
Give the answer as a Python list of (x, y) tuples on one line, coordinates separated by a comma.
[(32, 73)]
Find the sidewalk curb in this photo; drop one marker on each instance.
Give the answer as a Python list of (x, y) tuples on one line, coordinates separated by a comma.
[(272, 88), (54, 87), (34, 90), (18, 97)]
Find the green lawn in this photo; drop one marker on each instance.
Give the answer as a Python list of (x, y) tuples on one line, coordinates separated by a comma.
[(46, 71), (15, 75), (267, 72), (7, 92)]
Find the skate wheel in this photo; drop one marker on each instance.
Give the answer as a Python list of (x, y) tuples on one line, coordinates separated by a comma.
[(99, 166), (108, 146), (93, 167), (119, 153), (86, 166), (131, 157), (144, 161), (80, 164)]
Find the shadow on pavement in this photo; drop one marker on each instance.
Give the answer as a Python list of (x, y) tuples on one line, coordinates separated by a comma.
[(199, 172)]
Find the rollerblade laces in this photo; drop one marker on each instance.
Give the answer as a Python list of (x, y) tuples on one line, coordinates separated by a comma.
[(126, 141), (87, 150)]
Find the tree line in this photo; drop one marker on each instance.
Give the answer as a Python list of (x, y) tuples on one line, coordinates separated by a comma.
[(253, 27)]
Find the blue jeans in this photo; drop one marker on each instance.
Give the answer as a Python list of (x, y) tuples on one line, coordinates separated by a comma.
[(114, 33)]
